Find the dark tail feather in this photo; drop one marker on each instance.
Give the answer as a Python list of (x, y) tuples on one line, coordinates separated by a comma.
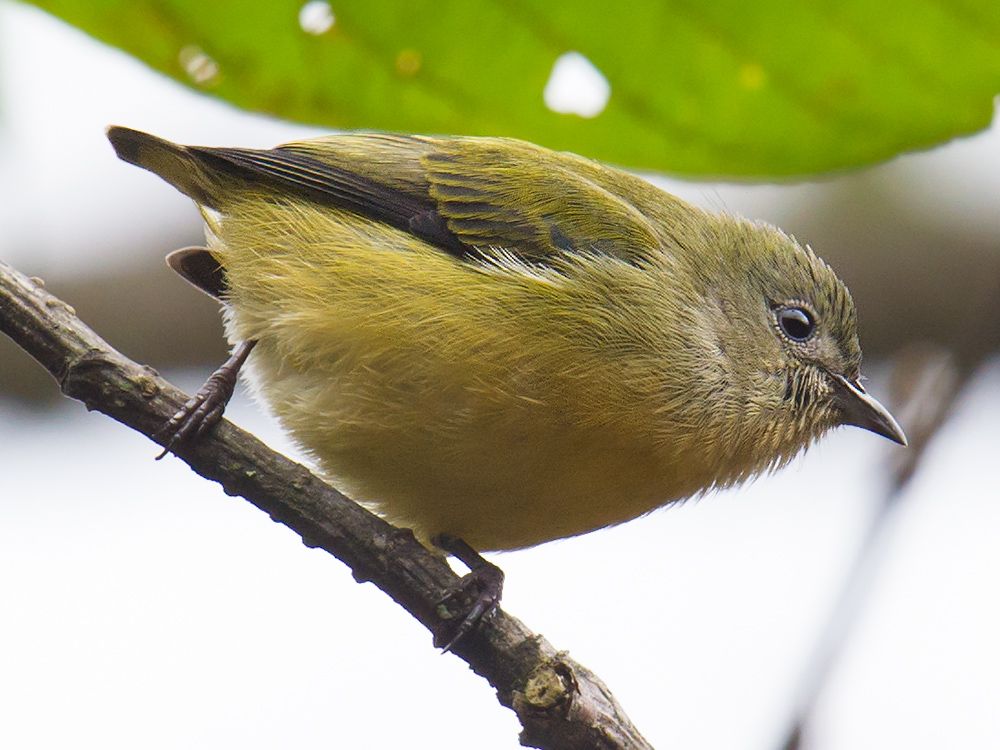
[(175, 164), (200, 267)]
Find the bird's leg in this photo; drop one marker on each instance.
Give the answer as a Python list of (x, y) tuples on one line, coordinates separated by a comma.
[(205, 408), (478, 593)]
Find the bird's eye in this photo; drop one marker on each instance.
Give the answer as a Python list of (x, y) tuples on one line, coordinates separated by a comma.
[(796, 323)]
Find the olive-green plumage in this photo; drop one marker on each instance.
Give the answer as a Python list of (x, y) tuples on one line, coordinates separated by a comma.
[(484, 338)]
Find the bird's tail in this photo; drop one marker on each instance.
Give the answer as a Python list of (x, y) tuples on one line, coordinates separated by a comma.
[(180, 166)]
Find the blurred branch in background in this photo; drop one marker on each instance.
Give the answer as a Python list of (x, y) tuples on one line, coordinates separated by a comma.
[(926, 381)]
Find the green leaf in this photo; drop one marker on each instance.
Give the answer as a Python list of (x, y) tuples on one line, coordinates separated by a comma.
[(728, 87)]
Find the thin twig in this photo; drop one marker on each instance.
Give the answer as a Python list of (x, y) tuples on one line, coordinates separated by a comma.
[(927, 382), (933, 382), (560, 703)]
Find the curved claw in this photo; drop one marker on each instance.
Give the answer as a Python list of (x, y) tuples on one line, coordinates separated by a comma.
[(205, 409), (478, 592), (197, 416)]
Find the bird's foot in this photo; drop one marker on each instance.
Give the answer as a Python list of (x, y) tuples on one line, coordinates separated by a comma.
[(205, 409), (472, 599)]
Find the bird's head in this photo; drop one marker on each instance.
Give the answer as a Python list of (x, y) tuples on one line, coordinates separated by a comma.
[(783, 336)]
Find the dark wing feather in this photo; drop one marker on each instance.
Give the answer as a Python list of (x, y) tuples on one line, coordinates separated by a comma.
[(293, 171), (470, 195)]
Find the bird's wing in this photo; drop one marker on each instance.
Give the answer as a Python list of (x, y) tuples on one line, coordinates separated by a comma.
[(534, 203), (468, 196)]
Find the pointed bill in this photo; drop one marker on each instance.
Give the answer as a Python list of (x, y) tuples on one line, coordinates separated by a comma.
[(862, 410)]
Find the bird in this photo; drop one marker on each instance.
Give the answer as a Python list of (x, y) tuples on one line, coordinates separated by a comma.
[(497, 345)]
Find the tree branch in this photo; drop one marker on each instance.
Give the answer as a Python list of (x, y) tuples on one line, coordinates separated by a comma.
[(560, 703)]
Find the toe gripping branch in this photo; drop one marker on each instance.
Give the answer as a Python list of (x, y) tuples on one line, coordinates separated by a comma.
[(475, 596), (204, 410)]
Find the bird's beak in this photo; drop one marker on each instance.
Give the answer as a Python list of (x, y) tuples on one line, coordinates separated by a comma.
[(861, 410)]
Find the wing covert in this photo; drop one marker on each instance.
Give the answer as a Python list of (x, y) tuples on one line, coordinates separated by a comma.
[(501, 193)]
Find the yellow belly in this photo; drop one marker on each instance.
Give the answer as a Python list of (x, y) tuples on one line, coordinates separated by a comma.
[(499, 475)]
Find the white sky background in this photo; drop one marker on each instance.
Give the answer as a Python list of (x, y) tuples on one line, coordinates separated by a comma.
[(141, 607)]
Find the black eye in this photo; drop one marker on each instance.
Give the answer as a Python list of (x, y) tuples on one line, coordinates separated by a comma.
[(796, 323)]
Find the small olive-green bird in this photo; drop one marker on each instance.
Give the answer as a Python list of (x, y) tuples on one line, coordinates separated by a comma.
[(495, 342)]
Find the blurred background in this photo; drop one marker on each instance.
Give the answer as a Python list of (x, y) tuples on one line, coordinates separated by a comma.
[(141, 606)]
